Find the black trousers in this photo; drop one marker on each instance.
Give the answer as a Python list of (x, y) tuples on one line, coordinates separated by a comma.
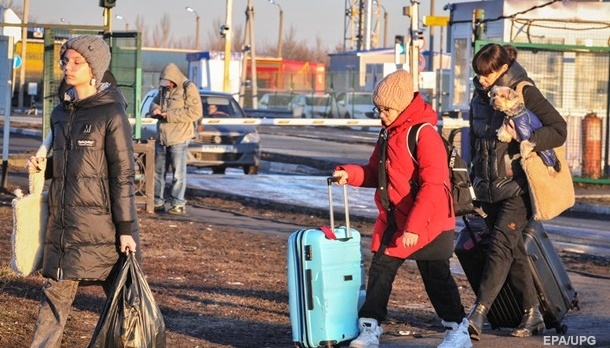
[(507, 256), (438, 281)]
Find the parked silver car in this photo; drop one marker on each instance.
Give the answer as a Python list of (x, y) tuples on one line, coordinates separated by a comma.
[(356, 105), (216, 146), (314, 105)]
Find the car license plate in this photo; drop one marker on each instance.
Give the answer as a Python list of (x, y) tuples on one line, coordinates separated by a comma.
[(217, 148)]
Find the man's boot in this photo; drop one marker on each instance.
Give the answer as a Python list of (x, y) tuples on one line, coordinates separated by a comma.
[(476, 318), (531, 324)]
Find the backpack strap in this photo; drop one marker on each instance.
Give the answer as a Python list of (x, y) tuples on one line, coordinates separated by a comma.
[(519, 89), (412, 137)]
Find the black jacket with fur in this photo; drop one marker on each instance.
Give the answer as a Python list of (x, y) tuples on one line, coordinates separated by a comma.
[(496, 166), (91, 194)]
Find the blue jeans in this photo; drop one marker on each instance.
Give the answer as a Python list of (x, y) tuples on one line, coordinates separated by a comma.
[(176, 156)]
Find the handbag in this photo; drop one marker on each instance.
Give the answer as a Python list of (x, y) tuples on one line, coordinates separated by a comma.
[(131, 317), (30, 215), (551, 195)]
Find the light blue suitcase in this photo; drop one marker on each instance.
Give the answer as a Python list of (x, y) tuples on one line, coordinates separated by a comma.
[(325, 283)]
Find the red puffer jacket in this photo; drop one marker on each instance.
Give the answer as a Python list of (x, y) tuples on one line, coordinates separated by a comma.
[(431, 212)]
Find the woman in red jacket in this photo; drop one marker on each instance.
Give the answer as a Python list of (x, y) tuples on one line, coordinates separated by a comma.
[(415, 207)]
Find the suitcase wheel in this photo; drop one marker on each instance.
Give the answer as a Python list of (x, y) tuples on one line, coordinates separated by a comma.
[(561, 329)]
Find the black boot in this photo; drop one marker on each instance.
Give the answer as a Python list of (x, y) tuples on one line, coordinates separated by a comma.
[(531, 324), (476, 318)]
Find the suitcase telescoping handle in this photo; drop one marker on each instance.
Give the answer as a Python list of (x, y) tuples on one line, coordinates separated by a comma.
[(329, 181)]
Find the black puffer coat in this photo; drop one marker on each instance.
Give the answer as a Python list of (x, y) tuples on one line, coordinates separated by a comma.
[(91, 195), (497, 170)]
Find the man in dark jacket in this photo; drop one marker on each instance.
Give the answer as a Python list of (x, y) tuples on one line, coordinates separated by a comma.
[(176, 107), (92, 212)]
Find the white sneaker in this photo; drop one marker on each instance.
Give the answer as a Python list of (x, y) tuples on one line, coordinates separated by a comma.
[(369, 334), (456, 335)]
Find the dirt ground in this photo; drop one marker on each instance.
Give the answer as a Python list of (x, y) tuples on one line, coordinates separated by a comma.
[(218, 287)]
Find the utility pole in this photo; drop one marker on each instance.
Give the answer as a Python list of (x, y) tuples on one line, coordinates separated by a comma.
[(253, 75), (24, 39), (415, 42), (227, 31)]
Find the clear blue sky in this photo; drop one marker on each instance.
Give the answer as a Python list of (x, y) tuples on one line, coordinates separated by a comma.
[(309, 18)]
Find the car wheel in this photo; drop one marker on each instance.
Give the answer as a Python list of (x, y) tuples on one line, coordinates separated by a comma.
[(347, 115), (303, 116), (219, 170), (251, 170)]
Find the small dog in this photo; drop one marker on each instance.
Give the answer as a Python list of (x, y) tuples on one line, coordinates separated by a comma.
[(519, 124)]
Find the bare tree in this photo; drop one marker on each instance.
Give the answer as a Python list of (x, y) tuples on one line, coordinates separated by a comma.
[(13, 6), (161, 34), (141, 28)]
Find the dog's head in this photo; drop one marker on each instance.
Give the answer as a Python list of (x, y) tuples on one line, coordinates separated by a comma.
[(505, 99)]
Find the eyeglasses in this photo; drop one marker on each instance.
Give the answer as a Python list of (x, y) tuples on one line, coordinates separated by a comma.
[(378, 110), (76, 63)]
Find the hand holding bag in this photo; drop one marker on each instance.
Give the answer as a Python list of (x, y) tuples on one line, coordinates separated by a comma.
[(131, 317), (30, 214)]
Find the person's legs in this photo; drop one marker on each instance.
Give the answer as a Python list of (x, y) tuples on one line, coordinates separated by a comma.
[(506, 245), (379, 286), (55, 304), (445, 298), (510, 218), (160, 170), (178, 160), (375, 308), (442, 290)]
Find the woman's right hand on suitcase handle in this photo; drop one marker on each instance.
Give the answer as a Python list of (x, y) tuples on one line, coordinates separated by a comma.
[(340, 177)]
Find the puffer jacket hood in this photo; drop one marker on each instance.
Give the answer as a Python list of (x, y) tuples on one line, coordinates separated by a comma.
[(428, 213), (91, 194)]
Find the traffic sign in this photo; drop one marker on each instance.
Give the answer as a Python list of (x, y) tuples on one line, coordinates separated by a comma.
[(441, 21), (17, 61), (421, 63)]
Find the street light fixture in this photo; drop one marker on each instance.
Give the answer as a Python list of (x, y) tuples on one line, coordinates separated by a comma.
[(279, 40), (123, 19), (192, 10), (385, 23)]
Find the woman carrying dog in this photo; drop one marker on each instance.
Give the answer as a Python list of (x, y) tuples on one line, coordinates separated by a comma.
[(501, 185)]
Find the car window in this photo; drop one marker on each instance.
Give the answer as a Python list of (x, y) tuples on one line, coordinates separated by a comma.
[(317, 101), (227, 107), (362, 99)]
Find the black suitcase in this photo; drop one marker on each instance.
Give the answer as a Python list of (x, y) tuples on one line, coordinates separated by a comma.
[(555, 291)]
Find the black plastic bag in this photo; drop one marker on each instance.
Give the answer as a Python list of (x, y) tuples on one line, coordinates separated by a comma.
[(131, 317)]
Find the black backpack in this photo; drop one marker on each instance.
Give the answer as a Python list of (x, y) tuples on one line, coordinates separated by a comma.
[(461, 186)]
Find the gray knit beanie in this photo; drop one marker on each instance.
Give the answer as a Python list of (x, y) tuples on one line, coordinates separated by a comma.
[(95, 51)]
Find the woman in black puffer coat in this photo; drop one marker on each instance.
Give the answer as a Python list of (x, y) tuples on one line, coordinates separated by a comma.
[(501, 185), (92, 212)]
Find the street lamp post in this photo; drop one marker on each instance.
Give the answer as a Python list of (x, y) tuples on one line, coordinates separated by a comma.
[(279, 40), (124, 20), (192, 10)]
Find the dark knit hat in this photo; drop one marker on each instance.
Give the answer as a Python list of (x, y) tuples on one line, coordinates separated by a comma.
[(394, 91), (95, 51)]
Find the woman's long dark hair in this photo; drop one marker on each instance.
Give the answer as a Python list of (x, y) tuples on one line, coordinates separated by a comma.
[(492, 57)]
